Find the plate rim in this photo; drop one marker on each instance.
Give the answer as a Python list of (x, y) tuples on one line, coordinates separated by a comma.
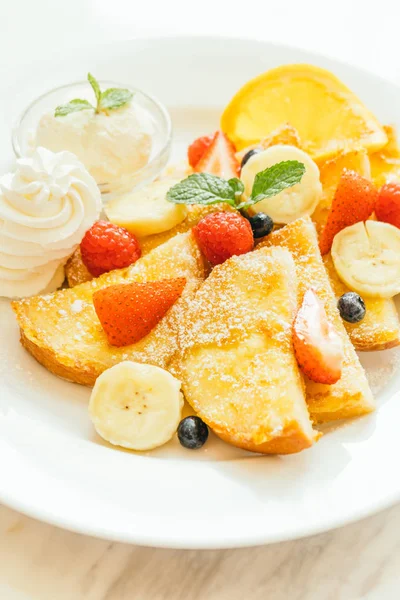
[(254, 538)]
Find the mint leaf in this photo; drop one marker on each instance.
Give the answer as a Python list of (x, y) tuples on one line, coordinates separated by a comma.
[(96, 88), (114, 98), (72, 106), (274, 180), (237, 187), (202, 188)]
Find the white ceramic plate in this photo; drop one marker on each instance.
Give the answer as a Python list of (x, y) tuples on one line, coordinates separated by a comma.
[(54, 468)]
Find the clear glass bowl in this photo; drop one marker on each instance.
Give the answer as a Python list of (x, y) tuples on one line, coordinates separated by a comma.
[(156, 115)]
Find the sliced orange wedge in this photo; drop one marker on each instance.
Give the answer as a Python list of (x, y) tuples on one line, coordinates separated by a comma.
[(327, 115), (385, 164)]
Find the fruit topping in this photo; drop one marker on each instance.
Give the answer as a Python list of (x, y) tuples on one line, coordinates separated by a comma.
[(222, 235), (192, 433), (129, 311), (387, 206), (106, 247), (146, 211), (293, 201), (248, 155), (197, 148), (351, 307), (367, 258), (317, 345), (354, 201), (136, 406), (219, 158), (261, 224), (326, 114)]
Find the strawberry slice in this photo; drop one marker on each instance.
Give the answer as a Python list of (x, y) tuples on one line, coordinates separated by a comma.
[(198, 148), (219, 159), (317, 345), (354, 201), (129, 311)]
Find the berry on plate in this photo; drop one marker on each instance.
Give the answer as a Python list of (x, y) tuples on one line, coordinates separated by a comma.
[(248, 155), (261, 224), (353, 201), (129, 311), (387, 206), (221, 235), (106, 247), (197, 148), (192, 433), (351, 307), (219, 159), (317, 345)]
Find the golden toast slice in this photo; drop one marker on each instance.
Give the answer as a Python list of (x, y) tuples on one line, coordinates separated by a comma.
[(385, 164), (63, 333), (380, 329), (350, 396), (236, 359)]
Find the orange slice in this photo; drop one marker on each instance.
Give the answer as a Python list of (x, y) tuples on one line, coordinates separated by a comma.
[(327, 115)]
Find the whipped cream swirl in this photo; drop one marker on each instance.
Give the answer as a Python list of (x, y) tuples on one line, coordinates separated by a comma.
[(46, 207)]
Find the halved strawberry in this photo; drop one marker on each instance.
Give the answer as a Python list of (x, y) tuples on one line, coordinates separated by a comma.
[(317, 345), (354, 201), (219, 159), (129, 311), (197, 148)]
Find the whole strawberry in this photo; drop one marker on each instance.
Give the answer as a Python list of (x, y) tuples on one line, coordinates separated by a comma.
[(387, 207), (106, 247), (221, 235)]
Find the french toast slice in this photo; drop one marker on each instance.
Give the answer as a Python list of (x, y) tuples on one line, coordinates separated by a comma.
[(351, 395), (380, 329), (63, 333), (236, 360)]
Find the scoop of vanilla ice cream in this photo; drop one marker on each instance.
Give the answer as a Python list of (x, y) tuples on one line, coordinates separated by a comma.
[(111, 146)]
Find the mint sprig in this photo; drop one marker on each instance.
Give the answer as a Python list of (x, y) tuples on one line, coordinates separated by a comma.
[(110, 99), (203, 188)]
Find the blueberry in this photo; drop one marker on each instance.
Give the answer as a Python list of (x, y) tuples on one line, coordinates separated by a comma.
[(261, 224), (351, 307), (248, 155), (192, 432)]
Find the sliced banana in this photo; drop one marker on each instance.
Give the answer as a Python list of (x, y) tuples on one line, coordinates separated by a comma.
[(136, 406), (147, 211), (293, 203), (367, 258)]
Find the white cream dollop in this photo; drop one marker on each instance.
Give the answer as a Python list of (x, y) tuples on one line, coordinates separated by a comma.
[(111, 146), (46, 207)]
